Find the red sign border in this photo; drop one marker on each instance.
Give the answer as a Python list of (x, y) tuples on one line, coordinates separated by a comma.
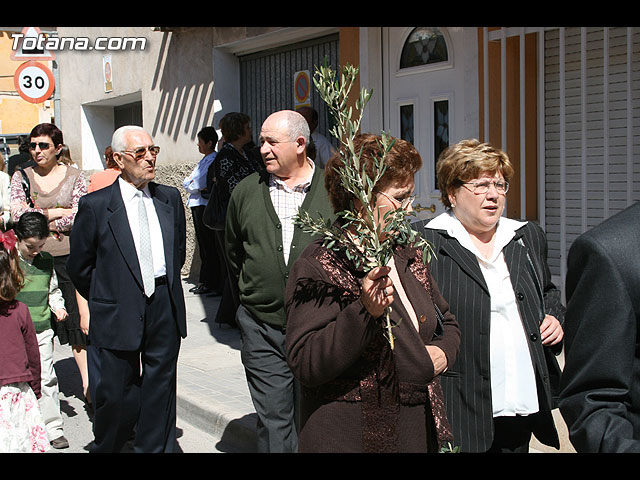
[(16, 56), (47, 72), (305, 75)]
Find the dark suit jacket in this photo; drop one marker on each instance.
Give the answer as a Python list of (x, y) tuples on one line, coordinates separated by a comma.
[(104, 267), (467, 384), (600, 392)]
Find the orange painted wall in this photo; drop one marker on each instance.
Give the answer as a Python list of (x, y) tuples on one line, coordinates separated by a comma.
[(492, 133), (16, 114)]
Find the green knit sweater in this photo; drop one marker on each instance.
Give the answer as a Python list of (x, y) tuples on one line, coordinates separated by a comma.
[(254, 244), (35, 293)]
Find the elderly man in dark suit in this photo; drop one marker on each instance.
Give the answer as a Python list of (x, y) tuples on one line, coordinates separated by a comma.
[(127, 250), (600, 392)]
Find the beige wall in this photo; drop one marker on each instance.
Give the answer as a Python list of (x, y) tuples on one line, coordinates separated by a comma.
[(172, 77)]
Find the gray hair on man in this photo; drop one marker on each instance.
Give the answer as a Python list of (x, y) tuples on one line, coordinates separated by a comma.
[(298, 126), (118, 141)]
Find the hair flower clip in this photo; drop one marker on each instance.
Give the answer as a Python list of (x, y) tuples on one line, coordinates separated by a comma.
[(8, 239)]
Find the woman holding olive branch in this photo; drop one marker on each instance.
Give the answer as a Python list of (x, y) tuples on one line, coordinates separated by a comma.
[(368, 332)]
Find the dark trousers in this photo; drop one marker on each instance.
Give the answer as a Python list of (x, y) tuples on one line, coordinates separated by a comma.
[(512, 434), (138, 388), (273, 388), (229, 301), (211, 272)]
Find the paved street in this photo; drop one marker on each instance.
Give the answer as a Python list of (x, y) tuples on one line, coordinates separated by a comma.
[(77, 421)]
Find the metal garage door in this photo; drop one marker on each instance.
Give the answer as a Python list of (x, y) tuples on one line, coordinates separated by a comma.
[(266, 79), (592, 114)]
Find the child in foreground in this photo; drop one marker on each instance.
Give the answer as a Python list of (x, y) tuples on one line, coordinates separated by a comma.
[(22, 429), (42, 296)]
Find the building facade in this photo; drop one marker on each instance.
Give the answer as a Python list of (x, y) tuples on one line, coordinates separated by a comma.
[(17, 116), (562, 101)]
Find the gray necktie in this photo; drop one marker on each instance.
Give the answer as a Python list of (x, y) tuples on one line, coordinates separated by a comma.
[(146, 257)]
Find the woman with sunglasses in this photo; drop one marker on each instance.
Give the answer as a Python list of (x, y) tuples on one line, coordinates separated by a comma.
[(54, 189), (359, 394), (493, 272)]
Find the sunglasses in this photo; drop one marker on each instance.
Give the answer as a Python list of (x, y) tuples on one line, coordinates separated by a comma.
[(42, 145), (140, 152)]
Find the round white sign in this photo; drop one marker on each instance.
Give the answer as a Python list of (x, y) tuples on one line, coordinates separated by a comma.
[(34, 82)]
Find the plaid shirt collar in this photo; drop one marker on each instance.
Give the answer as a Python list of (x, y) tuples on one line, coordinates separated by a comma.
[(275, 181)]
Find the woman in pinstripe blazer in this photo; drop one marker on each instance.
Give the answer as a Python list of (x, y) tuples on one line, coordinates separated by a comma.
[(493, 272)]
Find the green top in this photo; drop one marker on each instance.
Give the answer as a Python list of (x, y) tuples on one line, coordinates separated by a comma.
[(254, 243), (35, 293)]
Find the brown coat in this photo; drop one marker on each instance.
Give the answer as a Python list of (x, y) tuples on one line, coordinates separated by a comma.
[(357, 394)]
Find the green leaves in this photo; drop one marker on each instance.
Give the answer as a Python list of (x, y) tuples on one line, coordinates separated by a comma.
[(366, 250)]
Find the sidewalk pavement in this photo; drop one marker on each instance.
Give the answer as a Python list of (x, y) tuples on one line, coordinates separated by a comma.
[(212, 387)]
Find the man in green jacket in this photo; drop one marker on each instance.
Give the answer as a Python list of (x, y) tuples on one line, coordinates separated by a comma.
[(262, 244)]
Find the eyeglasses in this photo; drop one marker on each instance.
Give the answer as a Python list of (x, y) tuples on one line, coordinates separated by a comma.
[(140, 152), (481, 188), (404, 203), (42, 145)]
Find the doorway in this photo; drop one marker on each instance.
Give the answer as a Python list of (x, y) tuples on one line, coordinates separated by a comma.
[(422, 81)]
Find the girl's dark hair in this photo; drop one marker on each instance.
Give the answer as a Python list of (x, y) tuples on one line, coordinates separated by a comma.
[(32, 225), (209, 134), (11, 277)]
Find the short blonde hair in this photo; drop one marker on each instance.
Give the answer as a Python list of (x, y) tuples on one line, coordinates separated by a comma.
[(466, 160)]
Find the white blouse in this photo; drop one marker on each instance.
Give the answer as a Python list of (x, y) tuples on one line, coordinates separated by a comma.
[(513, 383)]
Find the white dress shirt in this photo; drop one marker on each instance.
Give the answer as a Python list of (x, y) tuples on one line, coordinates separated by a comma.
[(197, 181), (324, 149), (513, 383), (131, 205)]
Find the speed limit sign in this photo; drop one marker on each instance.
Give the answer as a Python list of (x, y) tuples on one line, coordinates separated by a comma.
[(34, 82)]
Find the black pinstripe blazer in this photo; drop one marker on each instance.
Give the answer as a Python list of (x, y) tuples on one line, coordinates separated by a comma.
[(467, 384)]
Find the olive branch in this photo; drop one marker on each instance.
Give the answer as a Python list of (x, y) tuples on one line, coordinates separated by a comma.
[(365, 248)]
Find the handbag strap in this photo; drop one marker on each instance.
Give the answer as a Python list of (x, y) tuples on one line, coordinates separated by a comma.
[(26, 187)]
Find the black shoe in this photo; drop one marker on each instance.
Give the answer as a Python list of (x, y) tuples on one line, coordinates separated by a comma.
[(60, 442), (201, 289)]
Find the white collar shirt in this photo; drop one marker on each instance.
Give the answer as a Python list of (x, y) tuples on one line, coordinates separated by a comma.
[(131, 205), (286, 202), (513, 384), (197, 181)]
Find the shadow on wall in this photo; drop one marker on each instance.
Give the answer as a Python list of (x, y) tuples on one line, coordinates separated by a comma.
[(182, 85), (184, 80)]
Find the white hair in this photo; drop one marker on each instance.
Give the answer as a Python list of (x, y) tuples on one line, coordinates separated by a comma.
[(298, 126), (118, 141)]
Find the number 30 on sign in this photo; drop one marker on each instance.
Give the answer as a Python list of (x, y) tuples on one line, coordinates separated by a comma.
[(34, 82)]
